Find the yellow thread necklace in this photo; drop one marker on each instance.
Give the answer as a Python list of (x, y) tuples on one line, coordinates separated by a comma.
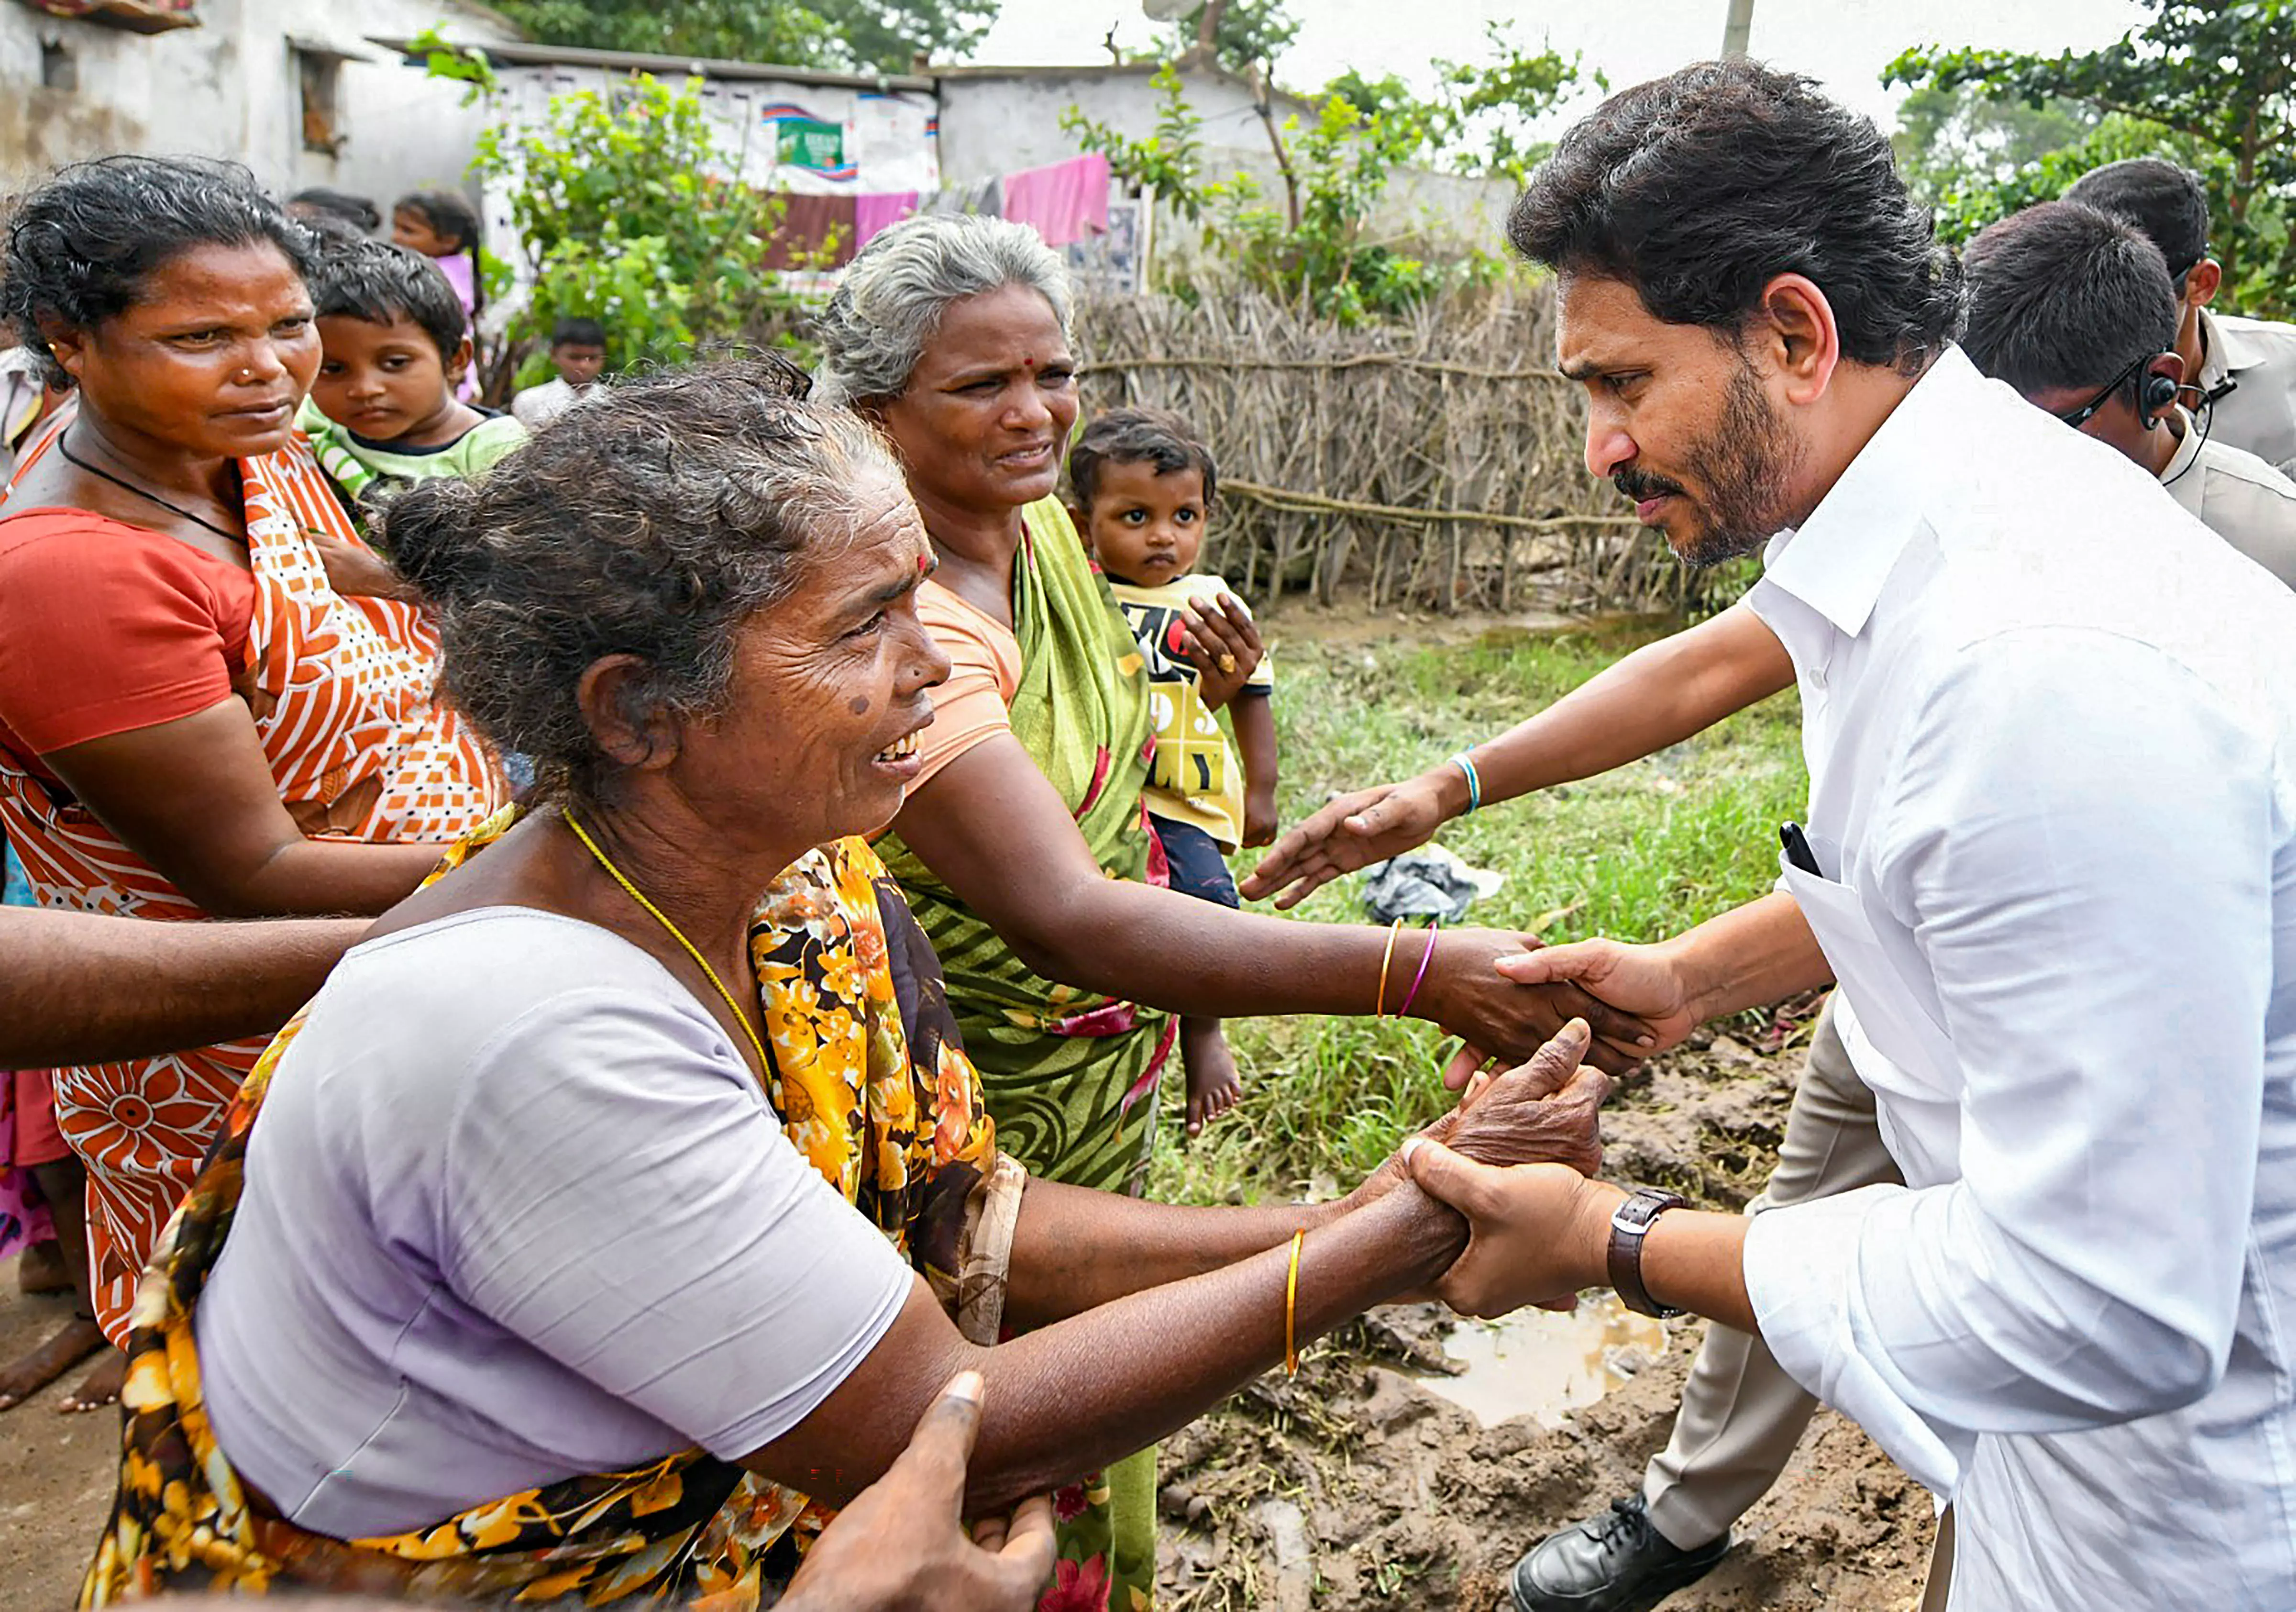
[(765, 1064)]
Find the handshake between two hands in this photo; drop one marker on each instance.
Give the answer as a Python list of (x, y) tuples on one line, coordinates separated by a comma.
[(1517, 1160)]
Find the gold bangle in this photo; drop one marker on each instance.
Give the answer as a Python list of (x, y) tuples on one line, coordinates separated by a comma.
[(1379, 1006), (1291, 1309)]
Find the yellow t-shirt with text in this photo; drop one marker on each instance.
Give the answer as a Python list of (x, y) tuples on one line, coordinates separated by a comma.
[(1195, 776)]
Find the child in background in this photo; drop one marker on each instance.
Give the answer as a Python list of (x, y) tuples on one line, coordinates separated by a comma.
[(1143, 487), (578, 347), (444, 227), (383, 412)]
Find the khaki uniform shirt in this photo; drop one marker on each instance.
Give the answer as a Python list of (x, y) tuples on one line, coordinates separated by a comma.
[(2258, 414), (2239, 496)]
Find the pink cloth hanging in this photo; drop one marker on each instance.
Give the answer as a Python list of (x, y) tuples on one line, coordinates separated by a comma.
[(874, 215), (1066, 202)]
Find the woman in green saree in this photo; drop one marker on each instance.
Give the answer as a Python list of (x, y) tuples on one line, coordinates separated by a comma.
[(1023, 847)]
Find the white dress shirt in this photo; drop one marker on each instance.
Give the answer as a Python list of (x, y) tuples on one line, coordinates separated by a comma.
[(2237, 495), (2051, 729), (2257, 411)]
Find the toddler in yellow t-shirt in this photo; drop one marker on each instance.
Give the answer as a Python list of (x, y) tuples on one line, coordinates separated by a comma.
[(1143, 487)]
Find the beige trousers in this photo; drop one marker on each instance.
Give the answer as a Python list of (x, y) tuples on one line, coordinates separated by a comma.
[(1939, 1588), (1741, 1415)]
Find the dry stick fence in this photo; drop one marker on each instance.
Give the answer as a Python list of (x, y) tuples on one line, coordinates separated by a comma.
[(1435, 462)]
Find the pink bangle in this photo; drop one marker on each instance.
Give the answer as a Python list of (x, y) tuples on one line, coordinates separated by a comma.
[(1433, 929)]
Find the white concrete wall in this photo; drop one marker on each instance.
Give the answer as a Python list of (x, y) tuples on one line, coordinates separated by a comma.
[(229, 89), (993, 123), (886, 131)]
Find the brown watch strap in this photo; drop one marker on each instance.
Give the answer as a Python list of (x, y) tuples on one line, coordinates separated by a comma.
[(1629, 1223)]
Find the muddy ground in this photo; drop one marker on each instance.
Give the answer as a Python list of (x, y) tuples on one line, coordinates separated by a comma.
[(1352, 1486), (1355, 1486)]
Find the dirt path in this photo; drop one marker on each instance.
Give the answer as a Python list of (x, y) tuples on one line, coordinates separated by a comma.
[(55, 1471), (1352, 1486)]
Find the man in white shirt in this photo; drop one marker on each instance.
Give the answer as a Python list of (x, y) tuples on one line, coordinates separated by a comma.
[(2239, 373), (2075, 309), (2050, 725)]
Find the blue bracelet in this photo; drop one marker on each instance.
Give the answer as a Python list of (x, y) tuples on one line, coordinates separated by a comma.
[(1467, 764)]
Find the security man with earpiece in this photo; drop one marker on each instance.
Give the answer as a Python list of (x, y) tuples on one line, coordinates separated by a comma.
[(2077, 309), (2239, 374)]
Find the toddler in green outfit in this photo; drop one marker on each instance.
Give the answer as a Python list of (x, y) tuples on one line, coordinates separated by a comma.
[(383, 412)]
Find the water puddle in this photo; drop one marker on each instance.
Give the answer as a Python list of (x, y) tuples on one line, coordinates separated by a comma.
[(1545, 1364)]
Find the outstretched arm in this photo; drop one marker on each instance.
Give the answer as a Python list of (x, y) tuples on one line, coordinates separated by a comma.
[(997, 834), (1185, 1305), (1663, 693), (1074, 1248), (76, 988)]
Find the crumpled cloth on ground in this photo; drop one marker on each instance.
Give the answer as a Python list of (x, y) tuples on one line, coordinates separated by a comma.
[(1428, 883)]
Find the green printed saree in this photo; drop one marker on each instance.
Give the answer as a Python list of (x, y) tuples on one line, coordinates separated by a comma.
[(1070, 1076)]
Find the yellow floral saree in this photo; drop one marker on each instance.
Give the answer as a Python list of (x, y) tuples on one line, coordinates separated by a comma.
[(873, 1088)]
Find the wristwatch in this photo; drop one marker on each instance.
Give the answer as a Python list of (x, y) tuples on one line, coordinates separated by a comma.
[(1629, 1223)]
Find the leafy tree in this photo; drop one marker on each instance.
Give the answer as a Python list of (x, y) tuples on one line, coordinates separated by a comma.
[(882, 34), (2215, 79), (1478, 120), (1948, 138), (889, 35), (619, 210), (749, 31), (1170, 162), (1245, 33), (1316, 250)]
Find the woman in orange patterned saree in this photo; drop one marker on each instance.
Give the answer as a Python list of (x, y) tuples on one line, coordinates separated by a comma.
[(204, 710), (612, 1213)]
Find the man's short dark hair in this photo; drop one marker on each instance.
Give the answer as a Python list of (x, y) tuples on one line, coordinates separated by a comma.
[(2167, 202), (1139, 436), (579, 332), (1698, 188), (383, 284), (2064, 296)]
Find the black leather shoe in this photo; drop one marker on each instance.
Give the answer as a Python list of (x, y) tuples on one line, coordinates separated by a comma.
[(1615, 1562)]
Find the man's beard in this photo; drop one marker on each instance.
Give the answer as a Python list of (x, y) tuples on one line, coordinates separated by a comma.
[(1743, 467)]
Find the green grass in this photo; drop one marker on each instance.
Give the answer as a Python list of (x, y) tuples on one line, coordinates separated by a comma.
[(1639, 853)]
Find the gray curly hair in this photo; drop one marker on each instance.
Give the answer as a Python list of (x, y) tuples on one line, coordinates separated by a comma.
[(892, 295), (653, 522)]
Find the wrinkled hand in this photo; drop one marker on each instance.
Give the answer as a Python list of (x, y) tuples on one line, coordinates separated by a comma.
[(1545, 1111), (1222, 642), (1351, 831), (899, 1547), (355, 570), (1467, 994), (1642, 981), (1532, 1229)]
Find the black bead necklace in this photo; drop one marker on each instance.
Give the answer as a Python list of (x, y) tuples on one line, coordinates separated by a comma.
[(63, 447)]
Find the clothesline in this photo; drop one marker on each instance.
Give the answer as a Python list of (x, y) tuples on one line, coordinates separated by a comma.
[(1064, 201)]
